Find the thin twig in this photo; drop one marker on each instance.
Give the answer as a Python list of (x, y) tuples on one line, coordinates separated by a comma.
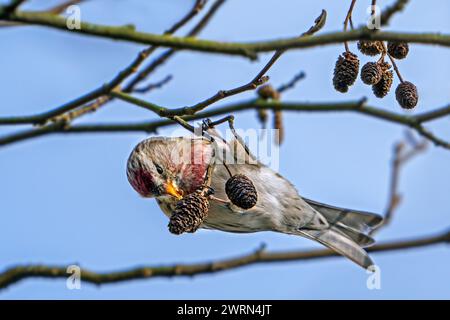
[(16, 274), (394, 64), (389, 12), (198, 6), (402, 153), (60, 8), (152, 86), (348, 17), (430, 136), (291, 84), (11, 7)]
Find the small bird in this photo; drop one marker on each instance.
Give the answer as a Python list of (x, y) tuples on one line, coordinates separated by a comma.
[(168, 168)]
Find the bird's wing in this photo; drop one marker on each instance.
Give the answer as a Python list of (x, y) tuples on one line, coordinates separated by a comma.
[(360, 220)]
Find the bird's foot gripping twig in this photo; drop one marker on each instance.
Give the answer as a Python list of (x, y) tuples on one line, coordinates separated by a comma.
[(209, 124)]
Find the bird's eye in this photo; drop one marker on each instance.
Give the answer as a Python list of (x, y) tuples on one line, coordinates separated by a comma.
[(159, 169)]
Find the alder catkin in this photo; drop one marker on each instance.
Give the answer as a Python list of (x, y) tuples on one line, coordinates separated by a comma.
[(189, 213), (345, 71), (398, 50), (241, 191), (370, 48), (407, 95), (371, 73), (382, 88)]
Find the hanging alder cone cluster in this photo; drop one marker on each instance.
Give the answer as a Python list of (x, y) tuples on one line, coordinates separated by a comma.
[(377, 74), (191, 211)]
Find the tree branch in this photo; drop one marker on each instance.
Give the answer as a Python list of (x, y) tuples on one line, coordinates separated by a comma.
[(152, 126), (249, 50), (401, 155), (15, 274), (110, 89), (153, 86), (101, 93), (390, 11)]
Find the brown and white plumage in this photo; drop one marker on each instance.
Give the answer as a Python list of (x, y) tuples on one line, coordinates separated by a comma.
[(279, 207)]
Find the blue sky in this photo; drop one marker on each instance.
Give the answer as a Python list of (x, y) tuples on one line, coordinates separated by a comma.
[(65, 198)]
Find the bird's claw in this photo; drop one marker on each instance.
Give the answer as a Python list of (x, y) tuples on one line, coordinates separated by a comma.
[(206, 124), (208, 191)]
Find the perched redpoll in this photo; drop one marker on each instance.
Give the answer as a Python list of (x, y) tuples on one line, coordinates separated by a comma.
[(172, 168)]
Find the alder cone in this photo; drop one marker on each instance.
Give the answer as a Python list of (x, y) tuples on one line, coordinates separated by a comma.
[(241, 191), (189, 213), (382, 88), (370, 48), (371, 73), (345, 71), (398, 50), (407, 95)]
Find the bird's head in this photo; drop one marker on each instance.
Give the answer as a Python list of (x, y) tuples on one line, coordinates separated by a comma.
[(162, 166)]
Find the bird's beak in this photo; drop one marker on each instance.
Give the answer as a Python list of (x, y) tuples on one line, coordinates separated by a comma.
[(173, 190)]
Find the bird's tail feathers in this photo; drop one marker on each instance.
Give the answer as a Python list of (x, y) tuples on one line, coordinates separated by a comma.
[(357, 220), (334, 239)]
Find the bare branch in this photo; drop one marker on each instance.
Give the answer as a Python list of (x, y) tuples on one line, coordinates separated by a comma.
[(433, 115), (390, 11), (151, 126), (403, 152), (141, 75), (348, 18), (153, 86), (291, 84), (249, 50), (102, 91), (15, 274)]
